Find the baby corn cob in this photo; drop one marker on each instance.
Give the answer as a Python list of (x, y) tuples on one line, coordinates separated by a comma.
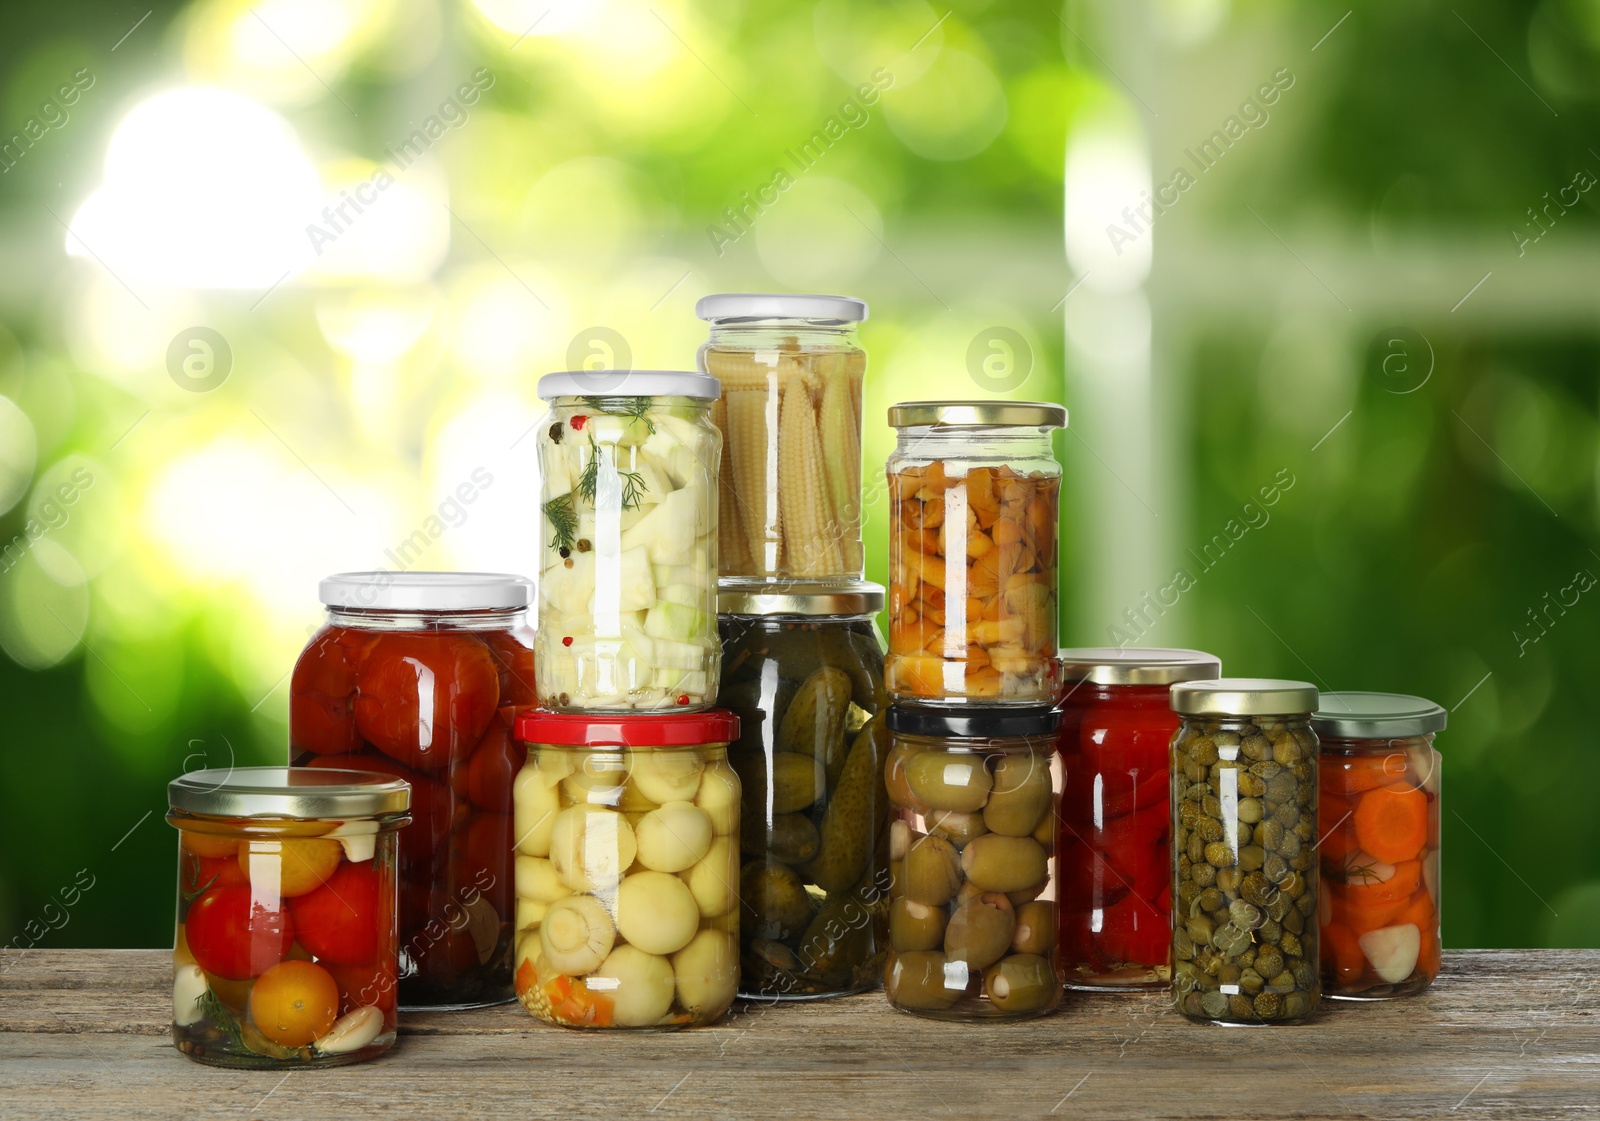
[(733, 547), (813, 544), (752, 421), (738, 369), (841, 441)]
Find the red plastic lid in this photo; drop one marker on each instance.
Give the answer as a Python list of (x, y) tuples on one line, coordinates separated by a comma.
[(648, 729)]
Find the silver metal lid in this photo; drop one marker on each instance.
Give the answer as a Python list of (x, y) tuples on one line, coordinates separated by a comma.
[(789, 597), (755, 306), (289, 792), (1243, 696), (1375, 716), (629, 383), (1114, 665), (977, 414), (427, 591)]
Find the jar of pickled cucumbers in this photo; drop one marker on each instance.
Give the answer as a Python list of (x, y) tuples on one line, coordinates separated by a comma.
[(1116, 816), (627, 869), (790, 414), (419, 675), (286, 951), (803, 669), (972, 846), (627, 615), (1244, 830), (973, 480), (1379, 802)]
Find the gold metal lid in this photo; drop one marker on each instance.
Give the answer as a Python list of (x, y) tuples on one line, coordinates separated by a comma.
[(1115, 665), (794, 597), (322, 793), (1243, 696), (977, 414)]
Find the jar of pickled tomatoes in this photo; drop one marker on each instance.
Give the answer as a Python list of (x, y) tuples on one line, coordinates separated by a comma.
[(627, 612), (420, 675), (627, 869), (1116, 819), (974, 496), (1379, 856), (285, 952)]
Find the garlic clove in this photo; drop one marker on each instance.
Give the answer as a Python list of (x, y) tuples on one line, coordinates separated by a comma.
[(352, 1031), (189, 985), (1392, 951), (358, 838)]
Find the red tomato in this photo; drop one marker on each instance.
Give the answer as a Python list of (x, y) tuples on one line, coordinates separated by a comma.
[(485, 777), (446, 959), (432, 809), (1127, 740), (371, 983), (236, 936), (322, 695), (340, 921), (201, 873), (513, 656), (1136, 930), (484, 863), (425, 699)]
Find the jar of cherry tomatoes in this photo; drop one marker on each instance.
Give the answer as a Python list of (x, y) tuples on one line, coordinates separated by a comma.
[(285, 952), (1379, 856), (627, 869), (974, 496), (420, 675), (1116, 865)]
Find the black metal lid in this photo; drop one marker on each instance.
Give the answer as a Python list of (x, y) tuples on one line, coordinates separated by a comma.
[(993, 722)]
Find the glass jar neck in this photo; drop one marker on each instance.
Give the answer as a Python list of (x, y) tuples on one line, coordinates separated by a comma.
[(977, 744), (780, 334), (1375, 746), (928, 442), (621, 406), (372, 619)]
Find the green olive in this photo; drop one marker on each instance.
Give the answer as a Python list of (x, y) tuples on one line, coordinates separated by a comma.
[(948, 780), (957, 826), (932, 870), (917, 981), (1021, 797), (916, 926), (999, 863), (1022, 983), (894, 779), (1035, 932), (979, 932)]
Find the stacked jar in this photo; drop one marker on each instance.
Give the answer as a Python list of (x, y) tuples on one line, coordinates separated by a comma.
[(803, 669), (419, 675), (626, 812), (790, 414), (1116, 866)]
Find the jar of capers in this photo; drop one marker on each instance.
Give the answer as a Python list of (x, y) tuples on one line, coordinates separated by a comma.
[(1244, 830), (972, 848)]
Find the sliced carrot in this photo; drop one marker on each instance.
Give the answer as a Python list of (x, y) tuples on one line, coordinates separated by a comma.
[(1339, 842), (1392, 821), (1343, 963), (1353, 774), (1420, 911)]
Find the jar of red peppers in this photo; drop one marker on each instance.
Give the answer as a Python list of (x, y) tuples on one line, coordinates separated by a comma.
[(1379, 856), (974, 494), (285, 952), (420, 675), (1116, 878)]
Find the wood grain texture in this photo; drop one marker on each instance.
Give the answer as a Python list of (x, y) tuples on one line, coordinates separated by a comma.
[(1515, 1034)]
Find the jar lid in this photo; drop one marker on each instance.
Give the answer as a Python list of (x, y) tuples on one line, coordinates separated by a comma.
[(995, 722), (791, 597), (737, 306), (1134, 665), (1243, 696), (1375, 716), (289, 792), (629, 383), (426, 591), (977, 414), (655, 729)]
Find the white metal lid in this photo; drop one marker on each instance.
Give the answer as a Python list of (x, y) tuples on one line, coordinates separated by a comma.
[(780, 305), (629, 383), (426, 591)]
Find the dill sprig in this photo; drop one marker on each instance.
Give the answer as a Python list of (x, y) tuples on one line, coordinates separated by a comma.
[(633, 484), (635, 408), (563, 521)]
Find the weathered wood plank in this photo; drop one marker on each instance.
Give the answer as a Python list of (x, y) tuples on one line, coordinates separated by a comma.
[(1502, 1034)]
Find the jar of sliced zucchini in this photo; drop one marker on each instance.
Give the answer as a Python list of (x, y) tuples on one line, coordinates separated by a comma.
[(1244, 829), (803, 668)]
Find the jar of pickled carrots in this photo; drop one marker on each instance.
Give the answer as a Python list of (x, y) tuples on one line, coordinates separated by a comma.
[(286, 951), (1116, 815), (1244, 821), (627, 855), (974, 496), (972, 848), (1379, 856), (627, 615), (790, 413), (802, 665), (419, 675)]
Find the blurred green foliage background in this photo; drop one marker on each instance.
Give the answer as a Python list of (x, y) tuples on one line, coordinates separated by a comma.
[(1375, 285)]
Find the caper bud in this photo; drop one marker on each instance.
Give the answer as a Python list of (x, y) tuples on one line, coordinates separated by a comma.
[(1213, 1004), (1293, 884), (1190, 1004), (1307, 904), (1202, 750), (1194, 772), (1186, 895), (1275, 866), (1287, 814), (1265, 769), (1228, 880), (1211, 804), (1250, 810), (1229, 974), (1240, 1006), (1252, 786), (1296, 1005), (1210, 900), (1282, 983), (1229, 938), (1270, 932), (1255, 748), (1290, 944), (1196, 792), (1304, 771), (1199, 928), (1203, 874), (1293, 920), (1304, 975), (1208, 961), (1286, 749), (1286, 843), (1188, 811), (1196, 848), (1242, 831), (1281, 787), (1209, 828), (1250, 981), (1244, 915), (1302, 860), (1184, 865), (1302, 829), (1255, 889), (1267, 1005), (1250, 857), (1217, 853), (1182, 945), (1270, 834)]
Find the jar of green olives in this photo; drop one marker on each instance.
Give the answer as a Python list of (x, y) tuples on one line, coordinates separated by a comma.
[(803, 670), (1244, 833), (972, 848)]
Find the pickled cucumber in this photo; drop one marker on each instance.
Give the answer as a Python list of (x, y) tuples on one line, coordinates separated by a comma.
[(797, 781), (778, 906), (841, 936), (790, 838), (855, 815), (814, 722)]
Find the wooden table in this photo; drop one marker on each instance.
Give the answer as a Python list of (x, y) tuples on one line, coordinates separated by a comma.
[(1503, 1033)]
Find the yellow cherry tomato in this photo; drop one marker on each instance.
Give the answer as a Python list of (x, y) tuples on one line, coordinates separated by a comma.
[(294, 1002)]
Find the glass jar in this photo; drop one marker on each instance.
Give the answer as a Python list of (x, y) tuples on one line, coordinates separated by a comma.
[(790, 414), (972, 844), (627, 615), (804, 671), (627, 869), (1116, 863), (974, 480), (285, 953), (1379, 798), (1244, 834), (419, 675)]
